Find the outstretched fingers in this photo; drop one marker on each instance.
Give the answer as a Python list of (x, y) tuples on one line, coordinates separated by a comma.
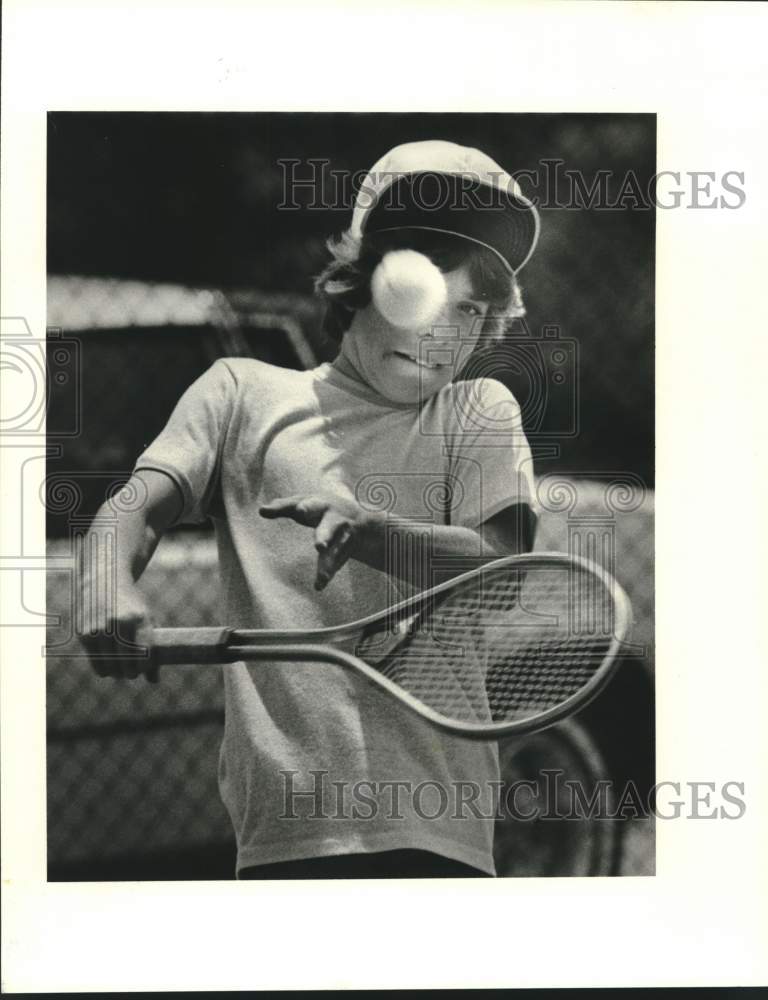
[(304, 510), (335, 521), (333, 539)]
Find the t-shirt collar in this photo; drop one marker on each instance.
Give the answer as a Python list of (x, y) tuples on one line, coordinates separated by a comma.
[(329, 373)]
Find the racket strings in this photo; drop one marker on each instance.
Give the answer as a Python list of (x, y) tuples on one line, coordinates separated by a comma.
[(506, 644)]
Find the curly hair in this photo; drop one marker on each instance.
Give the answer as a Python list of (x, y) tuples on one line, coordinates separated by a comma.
[(345, 284)]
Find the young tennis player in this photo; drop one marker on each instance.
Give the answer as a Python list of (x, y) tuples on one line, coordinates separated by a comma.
[(336, 492)]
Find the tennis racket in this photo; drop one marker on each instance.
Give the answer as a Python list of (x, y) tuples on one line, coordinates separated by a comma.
[(505, 649)]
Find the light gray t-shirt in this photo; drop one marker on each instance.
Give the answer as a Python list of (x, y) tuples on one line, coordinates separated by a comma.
[(315, 761)]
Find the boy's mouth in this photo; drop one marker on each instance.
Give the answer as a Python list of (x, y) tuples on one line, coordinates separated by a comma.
[(414, 360)]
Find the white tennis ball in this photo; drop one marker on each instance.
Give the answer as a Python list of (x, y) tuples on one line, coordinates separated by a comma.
[(408, 289)]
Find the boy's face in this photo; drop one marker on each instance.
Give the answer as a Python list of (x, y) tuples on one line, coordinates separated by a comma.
[(409, 366)]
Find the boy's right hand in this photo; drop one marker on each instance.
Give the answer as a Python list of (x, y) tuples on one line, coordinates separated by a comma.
[(116, 632)]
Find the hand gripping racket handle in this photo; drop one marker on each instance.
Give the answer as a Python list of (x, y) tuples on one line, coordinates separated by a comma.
[(187, 645)]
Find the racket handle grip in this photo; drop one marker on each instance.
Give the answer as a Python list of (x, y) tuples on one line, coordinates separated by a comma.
[(187, 645)]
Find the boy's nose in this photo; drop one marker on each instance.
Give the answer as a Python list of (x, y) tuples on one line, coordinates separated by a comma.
[(439, 344), (439, 328)]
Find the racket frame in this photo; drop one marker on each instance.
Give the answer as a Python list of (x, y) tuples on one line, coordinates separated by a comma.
[(223, 645)]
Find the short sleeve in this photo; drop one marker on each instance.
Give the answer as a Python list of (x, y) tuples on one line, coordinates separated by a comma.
[(188, 449), (490, 457)]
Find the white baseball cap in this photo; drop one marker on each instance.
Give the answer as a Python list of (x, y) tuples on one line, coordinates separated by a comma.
[(440, 186)]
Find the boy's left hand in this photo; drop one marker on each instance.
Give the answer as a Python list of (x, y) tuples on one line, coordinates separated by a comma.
[(339, 526)]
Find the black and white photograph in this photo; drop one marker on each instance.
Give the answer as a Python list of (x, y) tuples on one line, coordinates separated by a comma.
[(368, 392), (308, 394)]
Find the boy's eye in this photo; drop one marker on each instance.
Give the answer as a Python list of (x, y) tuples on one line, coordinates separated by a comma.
[(470, 309)]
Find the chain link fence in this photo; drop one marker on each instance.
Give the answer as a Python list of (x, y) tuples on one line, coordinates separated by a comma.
[(132, 789)]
